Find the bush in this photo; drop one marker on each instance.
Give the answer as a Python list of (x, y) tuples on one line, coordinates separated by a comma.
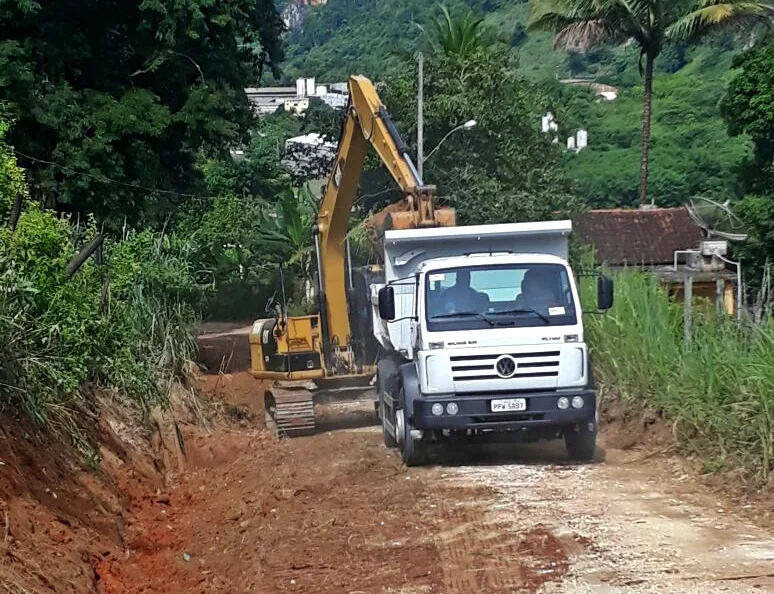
[(719, 393), (127, 326)]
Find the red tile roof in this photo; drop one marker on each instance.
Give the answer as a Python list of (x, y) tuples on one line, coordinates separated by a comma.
[(637, 237)]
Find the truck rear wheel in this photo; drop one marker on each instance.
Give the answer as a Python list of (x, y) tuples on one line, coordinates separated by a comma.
[(581, 443)]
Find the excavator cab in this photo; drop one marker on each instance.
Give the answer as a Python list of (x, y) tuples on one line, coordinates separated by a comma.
[(331, 355)]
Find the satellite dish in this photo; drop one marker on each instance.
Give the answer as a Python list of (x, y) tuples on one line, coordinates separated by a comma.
[(716, 219)]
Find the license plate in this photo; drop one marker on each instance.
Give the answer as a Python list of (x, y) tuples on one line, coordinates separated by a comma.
[(510, 405)]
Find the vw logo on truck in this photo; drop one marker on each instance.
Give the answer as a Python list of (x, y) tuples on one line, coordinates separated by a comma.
[(506, 366)]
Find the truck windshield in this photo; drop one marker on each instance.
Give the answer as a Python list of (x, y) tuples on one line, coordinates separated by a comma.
[(512, 295)]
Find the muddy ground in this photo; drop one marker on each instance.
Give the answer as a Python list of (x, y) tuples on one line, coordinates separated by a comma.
[(239, 511), (338, 513)]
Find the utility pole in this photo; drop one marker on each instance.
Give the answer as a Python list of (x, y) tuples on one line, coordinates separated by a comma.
[(420, 116)]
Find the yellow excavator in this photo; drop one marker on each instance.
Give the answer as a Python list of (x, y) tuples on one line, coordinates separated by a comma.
[(331, 356)]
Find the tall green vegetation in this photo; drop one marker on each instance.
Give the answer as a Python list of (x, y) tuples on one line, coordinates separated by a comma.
[(717, 394), (11, 175), (691, 153), (132, 335), (651, 24), (125, 326), (114, 101)]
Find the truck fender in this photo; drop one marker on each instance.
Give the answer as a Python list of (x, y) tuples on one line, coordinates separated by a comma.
[(591, 384), (410, 382)]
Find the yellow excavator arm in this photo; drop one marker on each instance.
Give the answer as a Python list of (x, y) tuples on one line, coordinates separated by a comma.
[(366, 121)]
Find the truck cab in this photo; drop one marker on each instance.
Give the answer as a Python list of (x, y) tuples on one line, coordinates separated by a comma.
[(483, 334)]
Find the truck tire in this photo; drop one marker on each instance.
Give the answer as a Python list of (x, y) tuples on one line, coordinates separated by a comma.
[(411, 450), (386, 379), (389, 439), (581, 444)]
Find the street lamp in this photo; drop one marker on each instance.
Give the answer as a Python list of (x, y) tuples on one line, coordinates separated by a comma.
[(469, 125)]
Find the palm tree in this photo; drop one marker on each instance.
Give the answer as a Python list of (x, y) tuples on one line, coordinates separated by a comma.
[(456, 36), (650, 24)]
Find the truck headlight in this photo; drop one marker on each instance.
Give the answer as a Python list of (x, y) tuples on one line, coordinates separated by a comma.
[(577, 402), (563, 403), (438, 374), (452, 408), (437, 409)]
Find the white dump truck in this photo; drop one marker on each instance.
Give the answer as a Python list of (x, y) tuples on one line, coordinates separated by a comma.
[(481, 332)]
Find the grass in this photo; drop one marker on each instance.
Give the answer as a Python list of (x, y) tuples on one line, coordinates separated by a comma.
[(719, 393)]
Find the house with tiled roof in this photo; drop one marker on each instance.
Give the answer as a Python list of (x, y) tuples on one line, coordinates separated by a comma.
[(661, 241)]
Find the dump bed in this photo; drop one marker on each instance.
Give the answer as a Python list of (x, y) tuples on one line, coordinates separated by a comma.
[(405, 250)]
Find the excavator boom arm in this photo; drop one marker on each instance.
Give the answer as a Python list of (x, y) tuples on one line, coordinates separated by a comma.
[(367, 122)]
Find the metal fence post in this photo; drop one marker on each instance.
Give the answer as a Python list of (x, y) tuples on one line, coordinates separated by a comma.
[(687, 309)]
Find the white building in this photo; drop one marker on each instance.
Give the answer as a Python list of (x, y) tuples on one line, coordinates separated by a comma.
[(549, 124), (297, 105), (266, 100), (309, 156), (578, 142)]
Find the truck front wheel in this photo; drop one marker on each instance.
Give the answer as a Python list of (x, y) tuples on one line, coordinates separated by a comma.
[(411, 450), (581, 443), (389, 439)]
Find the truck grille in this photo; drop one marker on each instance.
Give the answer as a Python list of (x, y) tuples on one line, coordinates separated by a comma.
[(484, 367)]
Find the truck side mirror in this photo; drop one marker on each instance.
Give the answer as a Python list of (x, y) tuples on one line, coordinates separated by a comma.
[(387, 303), (605, 293)]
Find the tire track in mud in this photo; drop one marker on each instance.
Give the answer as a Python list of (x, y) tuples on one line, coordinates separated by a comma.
[(482, 551), (607, 528)]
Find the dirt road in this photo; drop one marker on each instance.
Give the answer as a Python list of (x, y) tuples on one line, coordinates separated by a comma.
[(338, 513)]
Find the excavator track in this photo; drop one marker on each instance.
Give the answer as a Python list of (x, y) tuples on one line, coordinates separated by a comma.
[(289, 409)]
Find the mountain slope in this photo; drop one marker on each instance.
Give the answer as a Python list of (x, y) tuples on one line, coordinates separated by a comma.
[(691, 151)]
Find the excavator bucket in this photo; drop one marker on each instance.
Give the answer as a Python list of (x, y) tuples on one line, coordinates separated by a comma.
[(443, 217), (400, 215)]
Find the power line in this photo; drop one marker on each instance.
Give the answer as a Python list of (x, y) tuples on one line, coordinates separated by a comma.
[(104, 178)]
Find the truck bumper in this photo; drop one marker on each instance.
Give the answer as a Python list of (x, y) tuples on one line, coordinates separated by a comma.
[(475, 411)]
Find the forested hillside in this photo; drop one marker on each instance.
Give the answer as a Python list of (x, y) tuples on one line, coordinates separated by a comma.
[(358, 36)]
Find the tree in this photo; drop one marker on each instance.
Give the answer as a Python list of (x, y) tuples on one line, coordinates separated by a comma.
[(748, 109), (651, 24), (691, 153), (257, 171), (322, 119), (505, 169), (456, 36), (114, 101), (11, 175)]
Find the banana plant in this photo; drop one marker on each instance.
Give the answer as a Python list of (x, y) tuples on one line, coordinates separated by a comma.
[(286, 229)]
